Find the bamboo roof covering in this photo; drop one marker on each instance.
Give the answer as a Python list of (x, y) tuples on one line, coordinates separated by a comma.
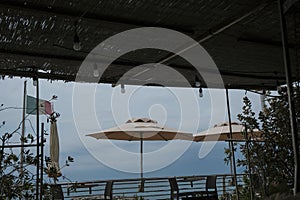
[(243, 37)]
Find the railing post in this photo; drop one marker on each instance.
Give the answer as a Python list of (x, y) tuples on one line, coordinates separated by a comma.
[(224, 185)]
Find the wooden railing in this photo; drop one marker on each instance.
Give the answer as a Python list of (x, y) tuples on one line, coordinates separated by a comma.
[(148, 188)]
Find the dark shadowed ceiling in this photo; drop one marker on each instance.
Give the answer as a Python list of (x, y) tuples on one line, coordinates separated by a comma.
[(242, 36)]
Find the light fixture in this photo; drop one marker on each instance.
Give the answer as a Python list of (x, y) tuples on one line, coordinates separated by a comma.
[(96, 71), (198, 85), (200, 92), (77, 43), (197, 82), (122, 88), (34, 82)]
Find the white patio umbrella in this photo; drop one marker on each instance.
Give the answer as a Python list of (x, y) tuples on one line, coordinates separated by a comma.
[(221, 132), (53, 167), (140, 129)]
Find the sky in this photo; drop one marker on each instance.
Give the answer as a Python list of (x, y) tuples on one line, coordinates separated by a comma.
[(88, 108)]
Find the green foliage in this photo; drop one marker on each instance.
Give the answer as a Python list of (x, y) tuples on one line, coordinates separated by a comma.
[(270, 159), (18, 182), (14, 181), (18, 170)]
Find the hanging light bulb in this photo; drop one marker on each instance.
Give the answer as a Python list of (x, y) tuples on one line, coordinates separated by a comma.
[(122, 88), (76, 44), (96, 71), (197, 82), (200, 92), (34, 82)]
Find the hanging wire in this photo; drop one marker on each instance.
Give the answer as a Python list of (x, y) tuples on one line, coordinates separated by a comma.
[(31, 126)]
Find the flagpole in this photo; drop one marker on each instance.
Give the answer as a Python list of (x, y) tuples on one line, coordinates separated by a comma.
[(38, 136), (23, 129)]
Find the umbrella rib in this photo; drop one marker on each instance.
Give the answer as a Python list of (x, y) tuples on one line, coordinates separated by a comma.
[(105, 136), (162, 137), (130, 139)]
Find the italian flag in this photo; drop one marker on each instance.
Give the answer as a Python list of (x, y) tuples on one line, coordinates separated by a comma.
[(45, 107)]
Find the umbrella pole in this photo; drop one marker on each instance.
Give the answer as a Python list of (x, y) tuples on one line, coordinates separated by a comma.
[(141, 160), (141, 189)]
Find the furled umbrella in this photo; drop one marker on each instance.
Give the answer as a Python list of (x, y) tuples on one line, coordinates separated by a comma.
[(53, 166), (140, 129)]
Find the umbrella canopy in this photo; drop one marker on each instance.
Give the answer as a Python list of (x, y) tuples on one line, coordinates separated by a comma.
[(221, 132), (53, 167), (140, 129)]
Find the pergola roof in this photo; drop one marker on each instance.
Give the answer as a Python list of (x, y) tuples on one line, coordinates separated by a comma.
[(243, 37)]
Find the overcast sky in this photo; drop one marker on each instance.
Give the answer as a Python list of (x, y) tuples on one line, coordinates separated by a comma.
[(176, 108)]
